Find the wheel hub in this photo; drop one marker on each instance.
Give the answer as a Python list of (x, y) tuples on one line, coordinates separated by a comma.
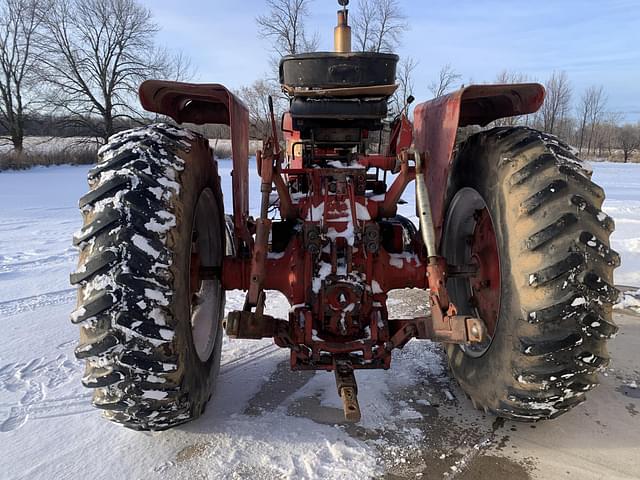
[(204, 292), (470, 240), (485, 285)]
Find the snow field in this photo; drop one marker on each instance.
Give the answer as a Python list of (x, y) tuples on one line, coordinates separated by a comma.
[(621, 183), (256, 426)]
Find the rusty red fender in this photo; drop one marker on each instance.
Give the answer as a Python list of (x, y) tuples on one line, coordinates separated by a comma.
[(209, 103), (436, 123)]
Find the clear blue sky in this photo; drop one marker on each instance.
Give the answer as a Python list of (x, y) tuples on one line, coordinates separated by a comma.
[(595, 42)]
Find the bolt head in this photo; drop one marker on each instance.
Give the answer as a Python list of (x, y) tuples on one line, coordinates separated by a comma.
[(475, 331)]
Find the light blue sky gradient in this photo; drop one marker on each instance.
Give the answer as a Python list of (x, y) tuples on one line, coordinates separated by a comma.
[(595, 42)]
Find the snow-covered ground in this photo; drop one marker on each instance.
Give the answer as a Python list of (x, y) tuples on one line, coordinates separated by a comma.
[(621, 182), (256, 425), (34, 144), (49, 430)]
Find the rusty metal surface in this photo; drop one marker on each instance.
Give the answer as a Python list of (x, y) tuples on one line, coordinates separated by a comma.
[(209, 103), (348, 391), (258, 261), (335, 271), (436, 123), (241, 324), (482, 104), (389, 206), (459, 329), (401, 136), (485, 284)]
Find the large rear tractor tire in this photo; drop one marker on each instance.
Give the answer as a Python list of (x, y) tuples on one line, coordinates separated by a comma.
[(150, 322), (523, 209)]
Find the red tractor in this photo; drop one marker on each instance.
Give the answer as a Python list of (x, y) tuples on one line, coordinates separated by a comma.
[(512, 249)]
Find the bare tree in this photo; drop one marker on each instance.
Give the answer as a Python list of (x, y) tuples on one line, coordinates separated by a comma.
[(378, 25), (363, 25), (447, 77), (256, 97), (96, 54), (629, 138), (607, 134), (557, 101), (390, 26), (599, 100), (507, 77), (175, 66), (19, 21), (284, 24), (404, 78), (583, 117), (590, 111)]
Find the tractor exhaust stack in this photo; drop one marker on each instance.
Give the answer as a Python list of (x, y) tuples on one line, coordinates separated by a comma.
[(342, 32)]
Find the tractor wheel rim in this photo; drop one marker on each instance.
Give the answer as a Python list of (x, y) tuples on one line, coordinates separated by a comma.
[(485, 285), (204, 293), (470, 239), (203, 311)]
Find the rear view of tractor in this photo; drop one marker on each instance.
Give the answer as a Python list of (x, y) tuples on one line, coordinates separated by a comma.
[(510, 246)]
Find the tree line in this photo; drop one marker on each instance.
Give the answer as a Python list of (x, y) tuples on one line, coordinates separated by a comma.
[(72, 67), (581, 118), (78, 63)]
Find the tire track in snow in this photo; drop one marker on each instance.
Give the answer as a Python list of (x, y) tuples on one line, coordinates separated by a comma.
[(31, 381), (34, 302), (248, 359), (37, 264), (18, 415)]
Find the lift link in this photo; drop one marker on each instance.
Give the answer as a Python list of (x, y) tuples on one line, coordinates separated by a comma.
[(266, 161)]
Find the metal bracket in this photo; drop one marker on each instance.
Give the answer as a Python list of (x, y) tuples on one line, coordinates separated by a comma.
[(244, 324), (460, 329)]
